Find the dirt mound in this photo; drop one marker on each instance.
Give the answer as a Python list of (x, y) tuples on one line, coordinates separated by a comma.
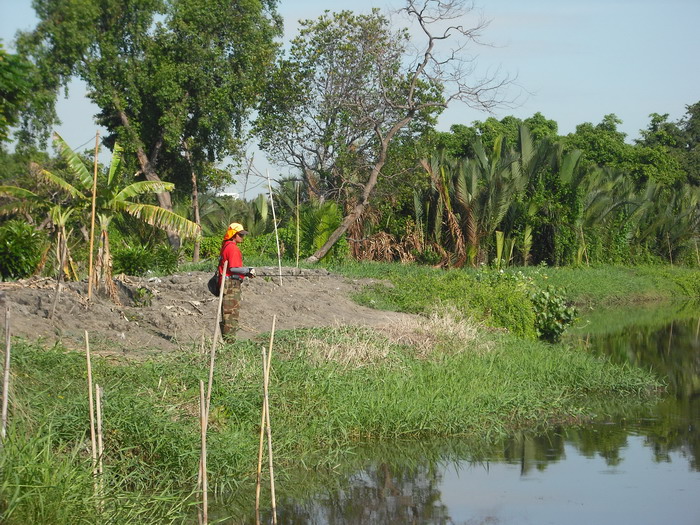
[(162, 313)]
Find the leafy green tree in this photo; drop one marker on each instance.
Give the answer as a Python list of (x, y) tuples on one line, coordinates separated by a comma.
[(458, 142), (680, 139), (604, 145), (14, 90), (169, 76), (351, 85)]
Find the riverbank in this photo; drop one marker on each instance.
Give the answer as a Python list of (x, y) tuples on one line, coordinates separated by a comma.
[(331, 389), (441, 373)]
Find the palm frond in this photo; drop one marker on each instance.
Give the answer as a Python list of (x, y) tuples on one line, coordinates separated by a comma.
[(143, 187), (74, 162), (62, 184), (15, 207), (161, 218), (17, 192), (115, 164)]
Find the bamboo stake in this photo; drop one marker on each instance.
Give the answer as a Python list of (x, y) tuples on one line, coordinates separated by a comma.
[(203, 461), (266, 378), (213, 353), (98, 413), (297, 221), (214, 341), (6, 374), (93, 440), (274, 222), (62, 249), (92, 217), (266, 367), (100, 447)]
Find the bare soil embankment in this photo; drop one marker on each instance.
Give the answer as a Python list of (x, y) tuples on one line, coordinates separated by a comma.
[(164, 313)]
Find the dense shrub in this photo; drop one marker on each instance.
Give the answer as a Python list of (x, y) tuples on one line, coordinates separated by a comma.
[(21, 247), (209, 247), (552, 314), (138, 259)]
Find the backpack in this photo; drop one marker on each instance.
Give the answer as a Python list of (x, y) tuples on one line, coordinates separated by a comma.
[(213, 284)]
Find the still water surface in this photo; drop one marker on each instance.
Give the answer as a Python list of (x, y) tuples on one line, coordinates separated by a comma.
[(641, 466)]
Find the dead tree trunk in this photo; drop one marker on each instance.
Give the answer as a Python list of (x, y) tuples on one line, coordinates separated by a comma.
[(359, 208)]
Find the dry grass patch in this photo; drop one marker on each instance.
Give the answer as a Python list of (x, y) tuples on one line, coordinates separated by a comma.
[(442, 332), (353, 346), (423, 337)]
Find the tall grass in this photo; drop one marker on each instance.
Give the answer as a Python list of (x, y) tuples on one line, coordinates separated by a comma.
[(609, 285), (47, 480)]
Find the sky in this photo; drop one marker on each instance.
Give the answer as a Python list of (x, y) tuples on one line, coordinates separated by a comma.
[(573, 61)]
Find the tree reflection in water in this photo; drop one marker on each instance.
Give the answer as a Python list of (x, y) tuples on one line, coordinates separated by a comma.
[(402, 484)]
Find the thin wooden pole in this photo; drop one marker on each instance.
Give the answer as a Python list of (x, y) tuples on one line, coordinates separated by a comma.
[(266, 366), (266, 380), (62, 249), (100, 446), (297, 221), (214, 341), (6, 374), (98, 413), (213, 354), (274, 222), (93, 439), (203, 462), (92, 216)]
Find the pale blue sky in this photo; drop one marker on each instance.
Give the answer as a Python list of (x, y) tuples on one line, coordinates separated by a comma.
[(577, 60)]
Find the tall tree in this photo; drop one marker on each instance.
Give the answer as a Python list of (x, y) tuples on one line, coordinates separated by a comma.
[(169, 76), (351, 84), (680, 139), (14, 90)]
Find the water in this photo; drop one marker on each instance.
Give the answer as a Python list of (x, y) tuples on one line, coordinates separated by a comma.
[(641, 466)]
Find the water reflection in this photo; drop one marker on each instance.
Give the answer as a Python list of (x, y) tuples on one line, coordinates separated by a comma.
[(671, 348), (378, 494), (641, 465)]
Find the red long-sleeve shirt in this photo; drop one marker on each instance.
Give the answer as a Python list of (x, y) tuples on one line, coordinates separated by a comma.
[(232, 253)]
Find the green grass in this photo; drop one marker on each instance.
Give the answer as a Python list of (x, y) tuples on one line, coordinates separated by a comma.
[(330, 388), (612, 285), (450, 373)]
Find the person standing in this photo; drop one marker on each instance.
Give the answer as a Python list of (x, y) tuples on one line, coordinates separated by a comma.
[(235, 273)]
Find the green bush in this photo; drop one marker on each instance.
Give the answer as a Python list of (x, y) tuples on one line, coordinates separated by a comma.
[(139, 259), (209, 247), (552, 314), (132, 260), (21, 247)]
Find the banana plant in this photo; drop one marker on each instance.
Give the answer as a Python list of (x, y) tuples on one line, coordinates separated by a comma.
[(112, 198)]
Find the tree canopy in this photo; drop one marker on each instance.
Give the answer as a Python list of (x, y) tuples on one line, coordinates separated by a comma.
[(166, 74), (351, 84)]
